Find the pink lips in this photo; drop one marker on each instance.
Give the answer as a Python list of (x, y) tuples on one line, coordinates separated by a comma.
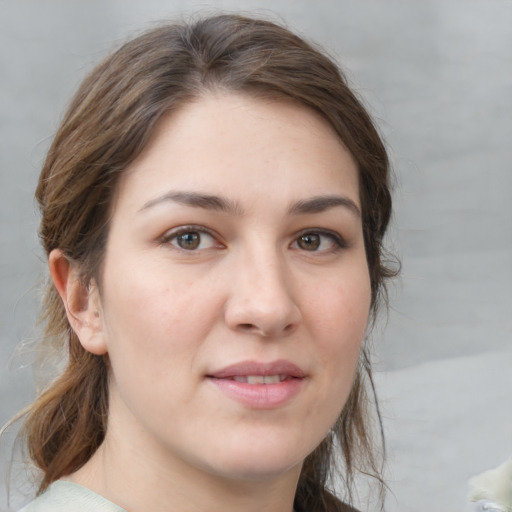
[(260, 385)]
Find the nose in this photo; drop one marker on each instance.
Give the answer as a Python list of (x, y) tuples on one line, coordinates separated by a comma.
[(261, 301)]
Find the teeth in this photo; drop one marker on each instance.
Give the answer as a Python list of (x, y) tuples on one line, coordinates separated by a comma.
[(255, 379), (260, 379)]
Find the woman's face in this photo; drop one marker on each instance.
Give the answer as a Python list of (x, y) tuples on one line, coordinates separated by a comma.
[(235, 290)]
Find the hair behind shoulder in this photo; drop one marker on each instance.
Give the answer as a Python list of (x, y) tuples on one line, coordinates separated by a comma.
[(106, 126)]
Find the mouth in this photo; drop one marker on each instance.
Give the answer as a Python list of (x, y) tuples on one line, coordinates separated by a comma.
[(262, 379), (260, 385), (253, 372)]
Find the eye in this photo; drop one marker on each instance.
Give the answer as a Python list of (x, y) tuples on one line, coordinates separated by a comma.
[(190, 239), (319, 241)]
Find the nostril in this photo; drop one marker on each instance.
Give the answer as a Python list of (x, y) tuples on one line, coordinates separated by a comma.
[(253, 329)]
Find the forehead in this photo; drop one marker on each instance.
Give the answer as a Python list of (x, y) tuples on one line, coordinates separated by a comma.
[(240, 144)]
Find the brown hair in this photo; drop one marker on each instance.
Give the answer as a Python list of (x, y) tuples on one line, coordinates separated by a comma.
[(106, 126)]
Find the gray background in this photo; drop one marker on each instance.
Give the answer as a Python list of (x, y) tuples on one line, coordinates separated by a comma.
[(437, 76)]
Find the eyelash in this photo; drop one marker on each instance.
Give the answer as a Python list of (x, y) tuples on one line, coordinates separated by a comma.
[(338, 241), (169, 236)]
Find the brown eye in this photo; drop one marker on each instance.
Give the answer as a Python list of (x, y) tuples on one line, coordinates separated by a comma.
[(309, 241), (189, 241), (190, 238), (319, 241)]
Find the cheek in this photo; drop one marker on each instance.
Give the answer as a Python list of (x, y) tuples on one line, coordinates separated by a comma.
[(342, 312), (342, 309), (151, 298), (153, 340), (152, 323)]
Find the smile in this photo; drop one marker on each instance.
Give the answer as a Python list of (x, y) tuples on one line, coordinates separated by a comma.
[(277, 371), (262, 379), (260, 385)]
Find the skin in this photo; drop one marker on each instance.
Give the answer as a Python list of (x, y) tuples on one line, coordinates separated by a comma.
[(253, 289)]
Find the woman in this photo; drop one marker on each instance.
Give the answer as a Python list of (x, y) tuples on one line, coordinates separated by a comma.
[(213, 207)]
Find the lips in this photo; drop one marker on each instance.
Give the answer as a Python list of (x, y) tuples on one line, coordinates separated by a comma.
[(282, 369), (262, 379), (259, 385)]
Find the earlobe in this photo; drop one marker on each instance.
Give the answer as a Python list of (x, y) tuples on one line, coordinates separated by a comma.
[(82, 303)]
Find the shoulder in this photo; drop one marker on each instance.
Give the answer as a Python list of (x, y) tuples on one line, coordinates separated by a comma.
[(347, 508), (61, 494), (343, 507), (328, 503)]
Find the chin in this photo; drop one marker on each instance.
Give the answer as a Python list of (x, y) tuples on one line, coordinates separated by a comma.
[(258, 463), (255, 472)]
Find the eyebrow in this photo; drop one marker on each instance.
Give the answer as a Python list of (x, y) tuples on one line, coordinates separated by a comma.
[(321, 203), (197, 200), (315, 204)]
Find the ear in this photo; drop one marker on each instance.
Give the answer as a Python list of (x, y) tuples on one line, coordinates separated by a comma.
[(82, 303)]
